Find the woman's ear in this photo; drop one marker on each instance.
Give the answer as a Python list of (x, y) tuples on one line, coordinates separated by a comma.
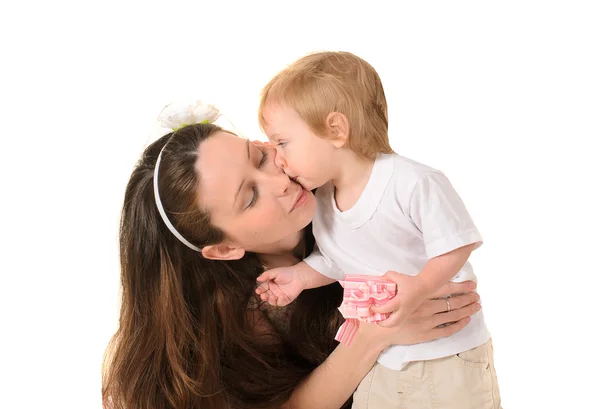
[(223, 251), (338, 128)]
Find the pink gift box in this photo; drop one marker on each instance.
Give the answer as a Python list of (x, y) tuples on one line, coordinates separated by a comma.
[(360, 293)]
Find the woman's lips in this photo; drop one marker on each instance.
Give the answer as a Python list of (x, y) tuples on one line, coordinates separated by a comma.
[(301, 199)]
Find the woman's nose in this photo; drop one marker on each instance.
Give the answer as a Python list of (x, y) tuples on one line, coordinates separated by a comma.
[(279, 183)]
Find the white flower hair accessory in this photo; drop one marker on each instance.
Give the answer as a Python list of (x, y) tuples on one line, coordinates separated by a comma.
[(177, 115)]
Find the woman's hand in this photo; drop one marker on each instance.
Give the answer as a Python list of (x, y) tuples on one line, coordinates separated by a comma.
[(432, 319)]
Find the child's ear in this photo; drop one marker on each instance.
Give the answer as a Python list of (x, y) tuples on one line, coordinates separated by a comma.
[(223, 251), (338, 128)]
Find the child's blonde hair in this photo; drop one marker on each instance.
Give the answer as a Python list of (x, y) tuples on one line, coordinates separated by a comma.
[(321, 83)]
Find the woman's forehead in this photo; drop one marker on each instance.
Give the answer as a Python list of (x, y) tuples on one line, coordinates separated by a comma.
[(221, 150), (223, 160)]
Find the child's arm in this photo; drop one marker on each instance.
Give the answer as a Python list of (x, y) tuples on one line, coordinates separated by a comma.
[(311, 277), (280, 286), (413, 290), (440, 270), (448, 233)]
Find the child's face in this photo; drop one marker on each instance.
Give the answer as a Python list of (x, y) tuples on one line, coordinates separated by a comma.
[(303, 155)]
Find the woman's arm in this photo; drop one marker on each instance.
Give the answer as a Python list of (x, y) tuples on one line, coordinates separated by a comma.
[(335, 380), (331, 384)]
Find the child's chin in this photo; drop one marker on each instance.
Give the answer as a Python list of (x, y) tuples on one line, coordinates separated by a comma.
[(306, 185)]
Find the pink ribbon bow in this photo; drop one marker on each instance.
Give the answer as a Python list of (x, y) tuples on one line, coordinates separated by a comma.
[(360, 292)]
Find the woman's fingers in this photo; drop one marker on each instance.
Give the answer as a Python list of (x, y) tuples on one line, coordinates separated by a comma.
[(455, 315), (458, 301), (431, 307), (449, 329), (455, 288), (448, 310)]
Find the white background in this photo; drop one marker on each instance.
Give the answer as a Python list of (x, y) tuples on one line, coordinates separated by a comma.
[(504, 97)]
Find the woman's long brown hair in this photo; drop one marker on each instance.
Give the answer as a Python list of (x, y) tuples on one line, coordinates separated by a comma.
[(185, 339)]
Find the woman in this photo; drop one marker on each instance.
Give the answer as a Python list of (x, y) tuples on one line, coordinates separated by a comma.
[(192, 332)]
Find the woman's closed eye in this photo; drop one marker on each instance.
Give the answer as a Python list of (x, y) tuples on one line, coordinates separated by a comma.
[(263, 160), (253, 199)]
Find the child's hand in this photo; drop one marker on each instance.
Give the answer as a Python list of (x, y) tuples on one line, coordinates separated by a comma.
[(280, 286), (410, 294)]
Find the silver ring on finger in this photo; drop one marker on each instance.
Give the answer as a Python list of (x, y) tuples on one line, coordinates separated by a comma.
[(448, 305)]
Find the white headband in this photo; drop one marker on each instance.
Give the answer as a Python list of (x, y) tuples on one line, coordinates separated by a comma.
[(175, 117), (161, 209)]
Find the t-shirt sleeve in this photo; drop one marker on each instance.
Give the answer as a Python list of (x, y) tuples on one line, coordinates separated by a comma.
[(324, 264), (439, 212)]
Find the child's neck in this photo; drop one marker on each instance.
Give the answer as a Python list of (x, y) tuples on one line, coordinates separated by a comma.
[(351, 179)]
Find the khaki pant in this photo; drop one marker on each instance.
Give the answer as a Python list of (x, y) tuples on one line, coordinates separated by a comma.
[(463, 381)]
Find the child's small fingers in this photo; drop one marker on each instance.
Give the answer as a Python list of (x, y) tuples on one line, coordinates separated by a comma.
[(382, 309), (390, 322), (264, 287), (263, 277), (267, 275)]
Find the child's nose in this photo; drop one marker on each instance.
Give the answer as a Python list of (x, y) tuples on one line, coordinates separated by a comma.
[(280, 160)]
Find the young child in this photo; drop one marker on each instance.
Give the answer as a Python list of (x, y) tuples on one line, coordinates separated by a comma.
[(378, 214)]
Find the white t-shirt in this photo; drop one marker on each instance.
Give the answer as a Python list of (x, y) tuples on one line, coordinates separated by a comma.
[(407, 214)]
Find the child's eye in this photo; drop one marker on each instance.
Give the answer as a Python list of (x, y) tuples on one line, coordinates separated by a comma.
[(282, 144)]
